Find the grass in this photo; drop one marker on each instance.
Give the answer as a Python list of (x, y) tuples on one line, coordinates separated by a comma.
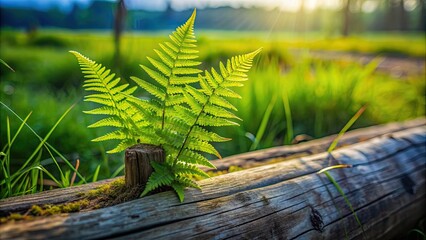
[(321, 96), (28, 178), (340, 166), (284, 97)]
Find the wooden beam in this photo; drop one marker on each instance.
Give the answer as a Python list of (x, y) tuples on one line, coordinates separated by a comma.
[(285, 200)]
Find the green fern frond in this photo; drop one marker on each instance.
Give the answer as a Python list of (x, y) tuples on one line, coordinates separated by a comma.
[(162, 176), (185, 102), (123, 145), (187, 182), (207, 113), (202, 146), (107, 122), (190, 156), (116, 135), (158, 77), (219, 111), (183, 80), (175, 100), (221, 102), (182, 168), (209, 120), (199, 96), (111, 95), (179, 189), (152, 89), (175, 67), (226, 92), (202, 134)]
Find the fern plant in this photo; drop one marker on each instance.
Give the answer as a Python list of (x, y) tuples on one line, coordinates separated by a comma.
[(185, 102)]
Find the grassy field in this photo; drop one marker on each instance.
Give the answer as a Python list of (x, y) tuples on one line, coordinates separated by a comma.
[(286, 95)]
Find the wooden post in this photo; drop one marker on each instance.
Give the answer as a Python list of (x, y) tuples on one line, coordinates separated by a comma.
[(137, 163)]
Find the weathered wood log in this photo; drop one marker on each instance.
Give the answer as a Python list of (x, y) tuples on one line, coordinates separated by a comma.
[(137, 163), (57, 196), (260, 157), (286, 200)]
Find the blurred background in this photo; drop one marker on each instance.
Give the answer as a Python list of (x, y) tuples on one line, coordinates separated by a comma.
[(322, 60)]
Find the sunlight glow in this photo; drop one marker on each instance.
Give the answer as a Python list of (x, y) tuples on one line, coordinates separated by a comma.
[(288, 5)]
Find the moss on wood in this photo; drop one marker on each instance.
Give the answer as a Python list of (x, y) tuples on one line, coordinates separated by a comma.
[(104, 196)]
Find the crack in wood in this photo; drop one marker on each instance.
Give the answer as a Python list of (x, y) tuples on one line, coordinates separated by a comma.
[(316, 220)]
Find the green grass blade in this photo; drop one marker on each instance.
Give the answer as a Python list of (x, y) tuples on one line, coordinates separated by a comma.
[(42, 143), (34, 174), (41, 182), (263, 124), (49, 174), (7, 157), (6, 153), (47, 145), (16, 177), (335, 205), (348, 203), (288, 118), (418, 231), (9, 143), (7, 65), (95, 176), (68, 163), (334, 167), (18, 131), (116, 172), (346, 128)]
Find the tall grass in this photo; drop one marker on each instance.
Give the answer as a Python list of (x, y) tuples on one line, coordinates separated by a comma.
[(318, 98), (29, 177)]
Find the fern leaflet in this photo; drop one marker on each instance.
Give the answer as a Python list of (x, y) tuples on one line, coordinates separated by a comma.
[(110, 94)]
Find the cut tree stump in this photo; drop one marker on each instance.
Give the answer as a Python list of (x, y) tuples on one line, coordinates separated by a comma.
[(137, 162), (283, 200)]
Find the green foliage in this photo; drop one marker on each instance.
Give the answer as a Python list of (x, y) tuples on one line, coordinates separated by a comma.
[(186, 102), (322, 96), (112, 96), (28, 178)]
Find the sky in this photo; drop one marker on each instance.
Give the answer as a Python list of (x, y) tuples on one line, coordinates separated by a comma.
[(159, 5)]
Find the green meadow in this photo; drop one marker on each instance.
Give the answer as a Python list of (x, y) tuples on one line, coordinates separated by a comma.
[(286, 94)]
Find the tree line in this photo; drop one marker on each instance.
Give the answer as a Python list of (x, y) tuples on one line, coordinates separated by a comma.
[(351, 16)]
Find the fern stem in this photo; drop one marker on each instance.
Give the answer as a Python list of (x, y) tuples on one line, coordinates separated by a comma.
[(189, 131), (187, 32), (225, 78)]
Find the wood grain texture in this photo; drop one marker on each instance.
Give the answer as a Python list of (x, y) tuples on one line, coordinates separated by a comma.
[(263, 156), (250, 159), (285, 200), (137, 162)]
